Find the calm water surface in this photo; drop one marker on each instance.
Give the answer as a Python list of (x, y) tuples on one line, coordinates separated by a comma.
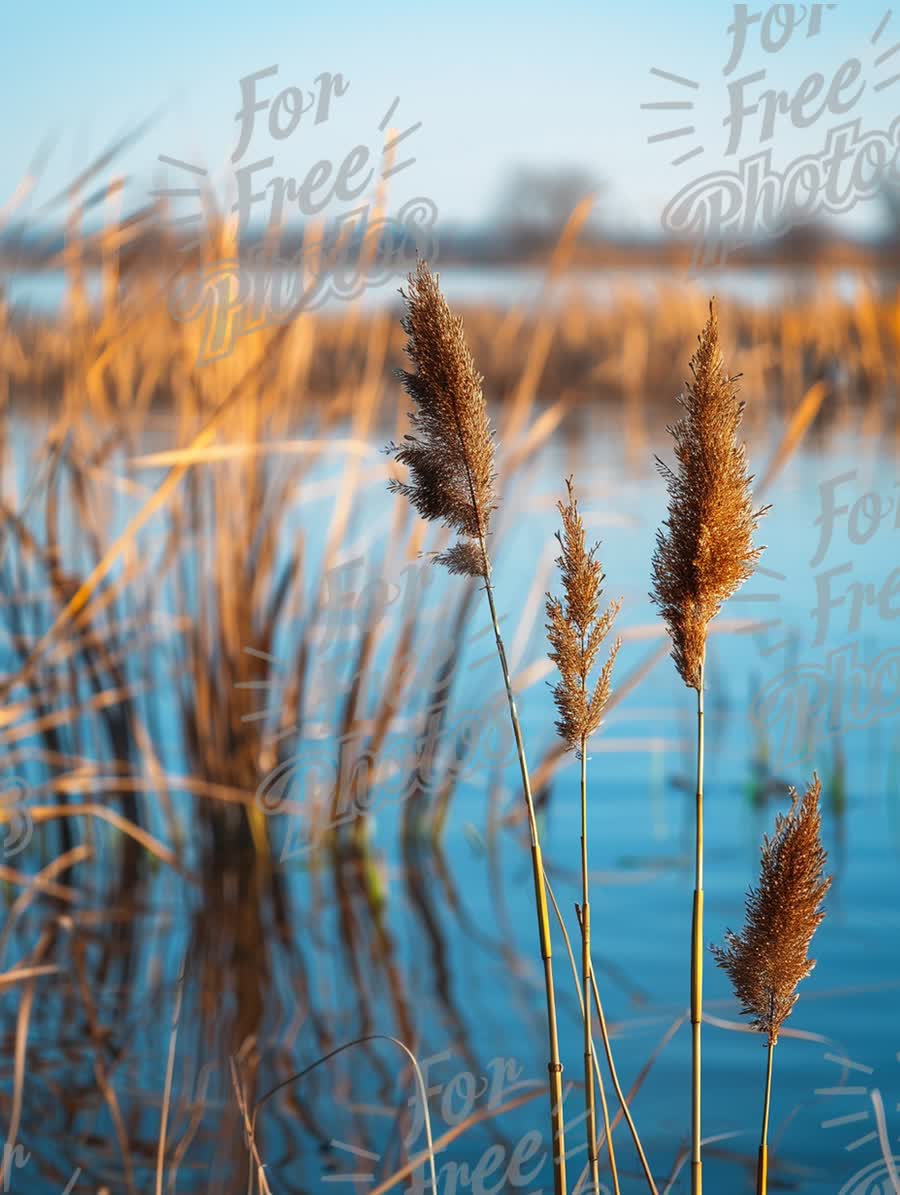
[(803, 674)]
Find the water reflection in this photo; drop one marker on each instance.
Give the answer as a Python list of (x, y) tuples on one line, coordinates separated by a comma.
[(202, 955)]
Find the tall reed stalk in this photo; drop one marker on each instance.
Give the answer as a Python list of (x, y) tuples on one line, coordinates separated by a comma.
[(770, 957), (586, 972), (697, 948), (704, 553), (617, 1086), (575, 632), (450, 458), (762, 1165)]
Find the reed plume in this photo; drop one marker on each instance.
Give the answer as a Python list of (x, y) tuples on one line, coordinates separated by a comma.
[(576, 633), (769, 958), (450, 457), (706, 551), (703, 554)]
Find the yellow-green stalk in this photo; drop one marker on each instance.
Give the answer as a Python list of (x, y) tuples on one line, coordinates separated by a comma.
[(704, 553), (450, 457), (576, 631)]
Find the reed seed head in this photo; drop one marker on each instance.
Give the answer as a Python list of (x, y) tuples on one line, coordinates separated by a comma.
[(576, 632), (450, 453), (770, 957), (704, 551)]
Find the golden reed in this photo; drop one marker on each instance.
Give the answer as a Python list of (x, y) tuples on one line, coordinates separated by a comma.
[(769, 958), (704, 552), (450, 457), (576, 632)]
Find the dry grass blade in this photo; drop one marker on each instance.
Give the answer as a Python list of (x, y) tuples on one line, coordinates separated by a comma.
[(167, 1090), (258, 1167), (82, 597), (541, 337), (153, 846), (800, 422), (625, 1111), (480, 1116), (359, 1041), (23, 1019), (585, 1011), (20, 974), (42, 882)]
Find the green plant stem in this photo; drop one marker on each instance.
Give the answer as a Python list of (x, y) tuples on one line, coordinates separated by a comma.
[(697, 958), (762, 1169), (554, 1066), (620, 1095), (586, 970), (577, 981)]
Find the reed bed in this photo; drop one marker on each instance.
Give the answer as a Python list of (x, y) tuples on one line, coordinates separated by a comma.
[(628, 351), (169, 667)]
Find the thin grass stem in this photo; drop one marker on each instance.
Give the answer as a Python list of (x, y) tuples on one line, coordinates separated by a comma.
[(620, 1095), (762, 1169), (554, 1065), (577, 981), (586, 971), (697, 959)]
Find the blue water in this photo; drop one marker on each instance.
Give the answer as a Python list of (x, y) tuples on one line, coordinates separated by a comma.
[(789, 690), (45, 292), (844, 1033)]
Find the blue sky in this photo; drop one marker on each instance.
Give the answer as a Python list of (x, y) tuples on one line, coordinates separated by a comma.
[(495, 85)]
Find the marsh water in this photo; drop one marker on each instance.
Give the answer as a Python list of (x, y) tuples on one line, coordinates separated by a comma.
[(413, 919)]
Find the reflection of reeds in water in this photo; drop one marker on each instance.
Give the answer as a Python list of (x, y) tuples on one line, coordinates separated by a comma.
[(768, 959), (703, 554)]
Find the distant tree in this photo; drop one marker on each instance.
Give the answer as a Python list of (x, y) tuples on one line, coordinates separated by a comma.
[(537, 201), (890, 199)]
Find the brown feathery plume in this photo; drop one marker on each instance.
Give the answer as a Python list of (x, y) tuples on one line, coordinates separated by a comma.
[(451, 462), (703, 554), (451, 455), (575, 633), (707, 551), (769, 958)]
